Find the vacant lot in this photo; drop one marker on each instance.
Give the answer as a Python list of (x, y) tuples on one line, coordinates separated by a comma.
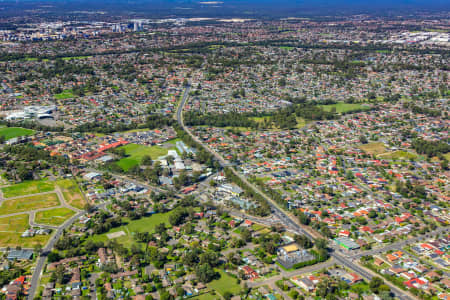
[(136, 152), (56, 216), (27, 188), (12, 132), (11, 228), (71, 193), (373, 148), (64, 95), (398, 155), (146, 224), (225, 283), (28, 203)]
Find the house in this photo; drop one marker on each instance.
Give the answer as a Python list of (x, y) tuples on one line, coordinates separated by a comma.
[(20, 255), (92, 176), (305, 283), (250, 273)]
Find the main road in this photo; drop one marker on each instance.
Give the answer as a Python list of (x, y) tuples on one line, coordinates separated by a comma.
[(288, 220), (42, 258)]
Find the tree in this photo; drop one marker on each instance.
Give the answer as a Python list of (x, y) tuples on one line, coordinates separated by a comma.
[(53, 257), (246, 235), (59, 273), (363, 139), (205, 273), (375, 283), (146, 160), (227, 295)]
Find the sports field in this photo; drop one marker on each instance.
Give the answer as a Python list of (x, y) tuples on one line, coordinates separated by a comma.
[(56, 216), (12, 132), (136, 152), (28, 203), (27, 188), (71, 193), (342, 107)]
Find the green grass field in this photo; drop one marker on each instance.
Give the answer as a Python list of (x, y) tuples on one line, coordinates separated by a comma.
[(11, 228), (56, 216), (28, 203), (136, 152), (64, 95), (12, 132), (146, 224), (75, 57), (71, 193), (375, 148), (398, 155), (225, 283), (342, 107), (300, 122), (207, 296), (27, 188)]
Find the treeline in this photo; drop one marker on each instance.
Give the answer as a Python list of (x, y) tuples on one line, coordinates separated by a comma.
[(23, 162), (424, 110), (431, 148), (285, 118), (202, 156), (219, 120), (152, 122), (274, 195), (263, 209)]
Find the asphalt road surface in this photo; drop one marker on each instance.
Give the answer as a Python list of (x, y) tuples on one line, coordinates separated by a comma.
[(286, 219)]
